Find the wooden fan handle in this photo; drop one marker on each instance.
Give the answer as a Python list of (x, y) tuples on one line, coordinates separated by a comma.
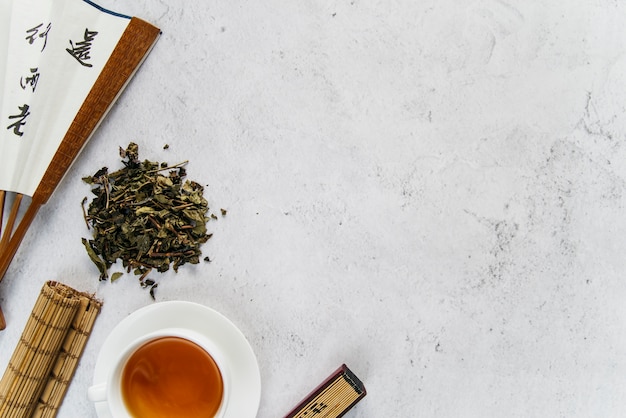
[(11, 239)]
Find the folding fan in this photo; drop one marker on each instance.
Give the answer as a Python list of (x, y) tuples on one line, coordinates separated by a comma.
[(63, 63)]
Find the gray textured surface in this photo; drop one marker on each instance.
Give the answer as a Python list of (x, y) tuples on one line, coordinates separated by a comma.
[(429, 191)]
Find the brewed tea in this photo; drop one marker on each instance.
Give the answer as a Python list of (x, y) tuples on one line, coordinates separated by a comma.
[(172, 377)]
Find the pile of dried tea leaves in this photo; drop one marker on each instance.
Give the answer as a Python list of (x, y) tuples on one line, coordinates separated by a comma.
[(146, 215)]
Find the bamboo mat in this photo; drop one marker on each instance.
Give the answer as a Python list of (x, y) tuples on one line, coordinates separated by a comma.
[(43, 363)]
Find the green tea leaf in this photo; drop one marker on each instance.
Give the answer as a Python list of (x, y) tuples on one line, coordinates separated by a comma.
[(100, 264), (146, 215)]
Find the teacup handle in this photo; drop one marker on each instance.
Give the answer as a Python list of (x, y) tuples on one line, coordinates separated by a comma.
[(97, 393)]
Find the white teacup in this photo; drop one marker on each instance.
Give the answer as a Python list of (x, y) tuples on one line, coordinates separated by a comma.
[(111, 391)]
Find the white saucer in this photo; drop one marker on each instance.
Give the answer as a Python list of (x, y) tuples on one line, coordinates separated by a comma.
[(244, 369)]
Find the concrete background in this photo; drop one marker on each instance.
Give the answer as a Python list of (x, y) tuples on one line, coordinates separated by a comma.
[(431, 192)]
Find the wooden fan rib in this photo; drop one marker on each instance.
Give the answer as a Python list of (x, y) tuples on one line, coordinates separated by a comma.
[(2, 197), (15, 208), (3, 323), (11, 238), (14, 238)]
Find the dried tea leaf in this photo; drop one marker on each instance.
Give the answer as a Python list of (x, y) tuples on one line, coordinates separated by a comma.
[(100, 264), (146, 215)]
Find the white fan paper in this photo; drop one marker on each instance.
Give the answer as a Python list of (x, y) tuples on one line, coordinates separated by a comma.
[(51, 53)]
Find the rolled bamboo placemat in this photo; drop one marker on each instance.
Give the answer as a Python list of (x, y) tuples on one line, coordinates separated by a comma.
[(43, 363)]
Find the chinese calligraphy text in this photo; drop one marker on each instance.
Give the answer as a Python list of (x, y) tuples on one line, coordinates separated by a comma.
[(20, 120), (81, 50), (33, 33), (30, 81)]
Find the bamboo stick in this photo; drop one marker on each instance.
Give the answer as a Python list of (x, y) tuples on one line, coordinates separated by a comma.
[(47, 354), (20, 353), (37, 349), (63, 370), (48, 344)]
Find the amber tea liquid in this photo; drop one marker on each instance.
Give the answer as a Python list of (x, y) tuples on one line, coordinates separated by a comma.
[(172, 377)]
